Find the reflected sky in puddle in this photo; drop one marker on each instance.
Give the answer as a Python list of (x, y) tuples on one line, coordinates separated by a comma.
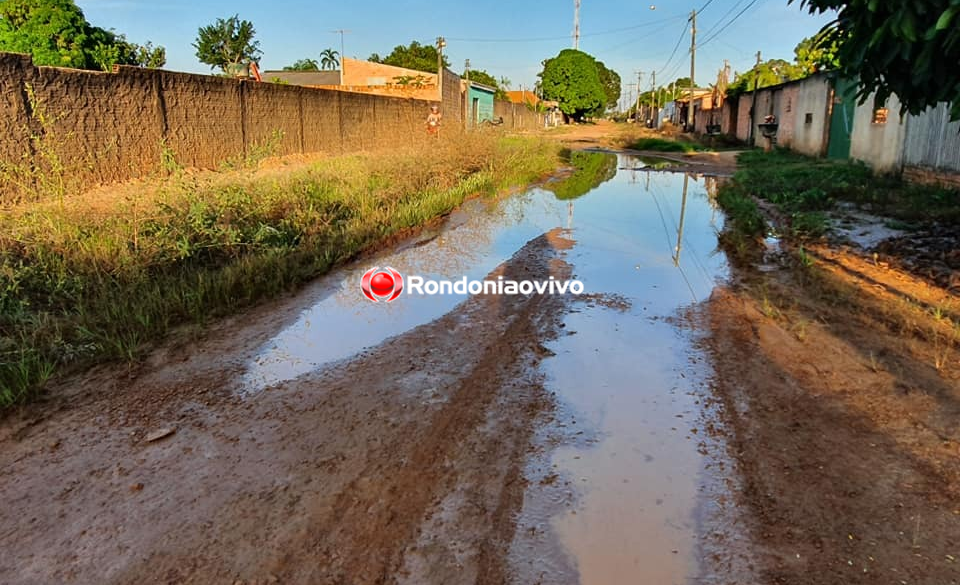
[(646, 236), (629, 376)]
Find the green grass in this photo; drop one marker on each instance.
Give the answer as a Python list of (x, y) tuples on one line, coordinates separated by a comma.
[(800, 184), (102, 276), (663, 145)]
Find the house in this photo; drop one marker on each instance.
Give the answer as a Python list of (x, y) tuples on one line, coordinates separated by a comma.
[(682, 104), (479, 102), (304, 78), (365, 77), (523, 97)]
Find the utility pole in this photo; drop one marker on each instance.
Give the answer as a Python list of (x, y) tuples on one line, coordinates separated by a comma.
[(441, 43), (753, 103), (653, 96), (683, 211), (636, 111), (576, 24), (341, 32), (693, 62), (630, 96)]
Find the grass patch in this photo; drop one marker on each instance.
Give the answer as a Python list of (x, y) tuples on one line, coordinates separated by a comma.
[(799, 184), (99, 276), (662, 145)]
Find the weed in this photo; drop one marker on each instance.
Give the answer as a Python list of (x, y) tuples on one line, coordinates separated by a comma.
[(663, 145), (100, 277)]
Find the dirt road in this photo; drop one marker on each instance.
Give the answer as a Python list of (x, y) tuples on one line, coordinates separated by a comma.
[(685, 421), (328, 479)]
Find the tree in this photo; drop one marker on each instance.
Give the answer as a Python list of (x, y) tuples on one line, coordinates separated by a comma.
[(812, 56), (303, 65), (483, 78), (55, 32), (571, 78), (415, 56), (909, 49), (772, 72), (329, 59), (611, 85), (227, 42)]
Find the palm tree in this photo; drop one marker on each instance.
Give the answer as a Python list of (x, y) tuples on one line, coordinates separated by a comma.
[(329, 59)]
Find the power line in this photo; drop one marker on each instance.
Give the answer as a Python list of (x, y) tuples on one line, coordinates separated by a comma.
[(721, 19), (565, 37), (739, 14), (704, 6), (676, 47)]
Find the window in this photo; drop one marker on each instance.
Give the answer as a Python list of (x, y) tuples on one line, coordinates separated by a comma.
[(789, 105), (808, 119), (880, 116)]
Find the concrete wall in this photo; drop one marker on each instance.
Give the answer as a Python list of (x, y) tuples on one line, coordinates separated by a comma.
[(517, 116), (790, 103), (878, 145), (108, 127), (812, 116), (454, 101)]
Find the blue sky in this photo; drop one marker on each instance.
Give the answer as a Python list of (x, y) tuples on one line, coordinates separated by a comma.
[(506, 38)]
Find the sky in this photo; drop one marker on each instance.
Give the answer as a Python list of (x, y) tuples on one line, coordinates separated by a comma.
[(507, 39)]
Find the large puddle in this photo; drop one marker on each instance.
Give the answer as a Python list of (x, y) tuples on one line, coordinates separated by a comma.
[(623, 374)]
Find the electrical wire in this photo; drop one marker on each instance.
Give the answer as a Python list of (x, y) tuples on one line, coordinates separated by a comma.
[(565, 37), (676, 47), (739, 14)]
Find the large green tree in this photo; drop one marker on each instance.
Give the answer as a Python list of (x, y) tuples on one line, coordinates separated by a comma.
[(812, 55), (610, 80), (572, 79), (414, 56), (55, 32), (228, 41), (910, 49)]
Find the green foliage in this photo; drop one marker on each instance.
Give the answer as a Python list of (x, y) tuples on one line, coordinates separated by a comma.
[(572, 79), (803, 186), (815, 54), (483, 78), (610, 80), (662, 145), (83, 281), (329, 59), (414, 56), (909, 49), (303, 65), (590, 170), (56, 33), (772, 72), (227, 42)]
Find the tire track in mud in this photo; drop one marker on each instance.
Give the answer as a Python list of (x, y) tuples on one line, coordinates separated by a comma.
[(402, 464)]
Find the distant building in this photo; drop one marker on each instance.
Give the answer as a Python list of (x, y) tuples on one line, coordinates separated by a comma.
[(479, 102), (304, 78), (365, 77)]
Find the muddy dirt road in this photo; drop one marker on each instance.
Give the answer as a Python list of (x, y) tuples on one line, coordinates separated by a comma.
[(652, 430)]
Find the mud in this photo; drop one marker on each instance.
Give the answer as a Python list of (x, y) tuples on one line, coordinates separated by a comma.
[(328, 478)]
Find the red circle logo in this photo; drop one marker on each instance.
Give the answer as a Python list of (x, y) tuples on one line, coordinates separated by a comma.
[(381, 284)]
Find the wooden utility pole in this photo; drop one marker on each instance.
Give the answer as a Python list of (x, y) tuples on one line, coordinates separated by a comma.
[(441, 43), (693, 62), (753, 103), (636, 111)]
